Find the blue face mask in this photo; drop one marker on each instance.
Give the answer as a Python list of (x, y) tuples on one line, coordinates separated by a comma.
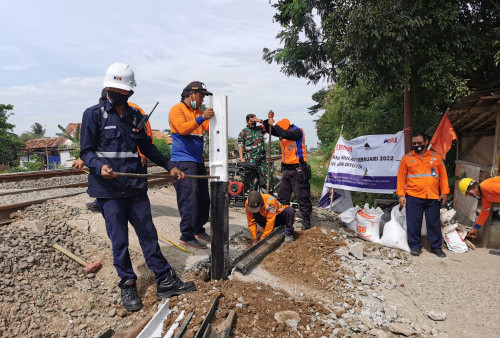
[(193, 105)]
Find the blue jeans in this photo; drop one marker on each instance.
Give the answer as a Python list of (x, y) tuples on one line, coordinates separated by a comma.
[(117, 212), (193, 200), (415, 208)]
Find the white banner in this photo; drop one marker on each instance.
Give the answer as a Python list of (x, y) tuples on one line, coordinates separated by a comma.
[(367, 163)]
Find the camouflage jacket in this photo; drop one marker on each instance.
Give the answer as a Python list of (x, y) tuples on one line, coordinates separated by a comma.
[(252, 142)]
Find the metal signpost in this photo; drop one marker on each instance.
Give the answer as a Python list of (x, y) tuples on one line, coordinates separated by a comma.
[(219, 201)]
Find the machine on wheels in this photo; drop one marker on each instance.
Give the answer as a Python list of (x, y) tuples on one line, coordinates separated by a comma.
[(242, 176)]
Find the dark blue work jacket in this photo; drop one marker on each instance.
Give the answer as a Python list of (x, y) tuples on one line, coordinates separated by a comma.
[(107, 138)]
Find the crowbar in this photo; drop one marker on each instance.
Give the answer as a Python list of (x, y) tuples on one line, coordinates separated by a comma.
[(164, 175)]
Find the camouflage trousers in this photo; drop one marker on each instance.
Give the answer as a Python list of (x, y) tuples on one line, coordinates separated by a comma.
[(262, 164)]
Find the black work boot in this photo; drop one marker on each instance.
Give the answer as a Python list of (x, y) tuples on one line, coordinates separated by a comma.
[(172, 286), (130, 300), (306, 222)]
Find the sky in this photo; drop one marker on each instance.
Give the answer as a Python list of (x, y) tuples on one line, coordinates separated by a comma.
[(54, 55)]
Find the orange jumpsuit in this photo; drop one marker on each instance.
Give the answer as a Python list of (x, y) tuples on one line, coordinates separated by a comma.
[(490, 193), (270, 209)]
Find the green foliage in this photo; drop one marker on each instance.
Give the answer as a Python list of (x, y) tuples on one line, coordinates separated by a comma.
[(10, 144), (232, 146), (432, 44), (34, 164), (162, 146), (358, 111), (37, 130), (319, 97), (25, 136)]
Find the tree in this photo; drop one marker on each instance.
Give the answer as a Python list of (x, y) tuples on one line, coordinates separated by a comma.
[(433, 44), (37, 130), (358, 111), (434, 49), (10, 145)]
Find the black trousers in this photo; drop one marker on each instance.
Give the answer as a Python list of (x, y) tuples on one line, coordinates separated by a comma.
[(301, 188)]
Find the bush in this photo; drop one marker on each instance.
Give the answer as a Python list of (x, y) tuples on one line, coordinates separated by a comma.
[(162, 146)]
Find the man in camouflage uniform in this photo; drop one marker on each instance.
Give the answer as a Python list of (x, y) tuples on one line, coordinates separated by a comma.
[(252, 149)]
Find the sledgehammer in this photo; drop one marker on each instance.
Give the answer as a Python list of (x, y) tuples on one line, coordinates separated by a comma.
[(87, 268)]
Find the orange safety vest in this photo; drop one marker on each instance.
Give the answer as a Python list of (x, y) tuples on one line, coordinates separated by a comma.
[(490, 193), (270, 209), (291, 151), (422, 177)]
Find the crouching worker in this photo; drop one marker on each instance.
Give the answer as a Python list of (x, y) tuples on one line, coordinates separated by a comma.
[(487, 191), (266, 211), (111, 134)]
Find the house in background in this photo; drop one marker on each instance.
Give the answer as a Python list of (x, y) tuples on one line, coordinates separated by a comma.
[(65, 146), (55, 151), (43, 147), (161, 135)]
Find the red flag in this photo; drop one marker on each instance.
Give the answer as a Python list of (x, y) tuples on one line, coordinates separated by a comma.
[(444, 135)]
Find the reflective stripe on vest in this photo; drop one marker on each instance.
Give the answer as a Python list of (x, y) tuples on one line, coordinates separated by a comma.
[(114, 154), (421, 175)]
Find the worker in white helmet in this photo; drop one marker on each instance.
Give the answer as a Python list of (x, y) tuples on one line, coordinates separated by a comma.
[(112, 132)]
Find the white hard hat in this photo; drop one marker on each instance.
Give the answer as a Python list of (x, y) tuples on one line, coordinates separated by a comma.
[(119, 75)]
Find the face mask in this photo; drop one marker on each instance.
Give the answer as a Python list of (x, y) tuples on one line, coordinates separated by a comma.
[(417, 149), (252, 125), (193, 104), (477, 197), (117, 99)]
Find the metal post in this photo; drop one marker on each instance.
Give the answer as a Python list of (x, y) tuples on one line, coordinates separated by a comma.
[(219, 203)]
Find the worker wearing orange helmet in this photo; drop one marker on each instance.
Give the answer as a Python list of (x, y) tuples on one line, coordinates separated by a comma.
[(296, 171), (487, 191)]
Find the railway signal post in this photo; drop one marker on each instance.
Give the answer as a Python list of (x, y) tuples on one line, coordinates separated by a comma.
[(219, 200)]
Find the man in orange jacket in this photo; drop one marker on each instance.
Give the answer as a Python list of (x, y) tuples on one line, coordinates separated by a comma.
[(266, 211), (187, 123), (421, 176), (488, 192)]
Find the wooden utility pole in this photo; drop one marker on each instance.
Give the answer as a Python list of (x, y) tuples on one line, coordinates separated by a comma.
[(408, 114), (219, 201)]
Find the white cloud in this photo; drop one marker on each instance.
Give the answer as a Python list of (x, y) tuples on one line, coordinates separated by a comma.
[(57, 56)]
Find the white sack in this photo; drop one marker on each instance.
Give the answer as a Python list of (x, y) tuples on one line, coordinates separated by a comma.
[(368, 223), (395, 230), (447, 215), (454, 242), (349, 217)]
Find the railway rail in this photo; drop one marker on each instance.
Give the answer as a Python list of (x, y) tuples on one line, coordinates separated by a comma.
[(7, 209)]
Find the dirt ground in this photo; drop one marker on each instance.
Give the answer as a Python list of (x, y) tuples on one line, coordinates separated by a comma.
[(312, 287)]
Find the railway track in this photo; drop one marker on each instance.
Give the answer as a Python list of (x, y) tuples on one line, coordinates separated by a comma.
[(14, 185), (7, 209)]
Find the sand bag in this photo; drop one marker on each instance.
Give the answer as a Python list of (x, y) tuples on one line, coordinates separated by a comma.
[(446, 215), (368, 223), (454, 242), (349, 217), (395, 230)]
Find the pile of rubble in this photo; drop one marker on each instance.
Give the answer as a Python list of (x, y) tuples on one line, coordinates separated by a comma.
[(45, 293), (326, 283)]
